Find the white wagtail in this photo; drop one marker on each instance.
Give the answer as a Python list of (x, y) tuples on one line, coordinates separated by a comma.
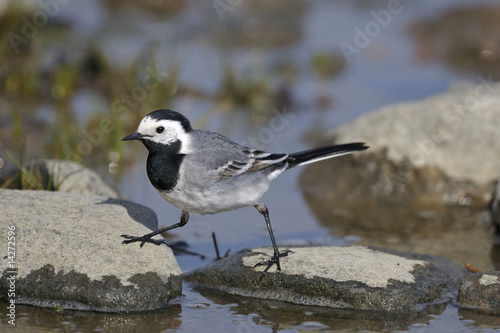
[(204, 172)]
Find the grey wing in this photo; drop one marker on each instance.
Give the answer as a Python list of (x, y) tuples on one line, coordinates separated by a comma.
[(216, 150), (230, 159)]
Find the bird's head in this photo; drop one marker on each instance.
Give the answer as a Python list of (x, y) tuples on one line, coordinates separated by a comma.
[(162, 127)]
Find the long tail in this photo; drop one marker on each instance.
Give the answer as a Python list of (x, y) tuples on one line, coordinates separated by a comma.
[(323, 153)]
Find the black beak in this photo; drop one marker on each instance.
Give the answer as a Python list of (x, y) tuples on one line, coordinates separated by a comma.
[(135, 136)]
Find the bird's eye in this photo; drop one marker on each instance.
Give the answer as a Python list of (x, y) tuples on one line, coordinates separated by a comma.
[(160, 129)]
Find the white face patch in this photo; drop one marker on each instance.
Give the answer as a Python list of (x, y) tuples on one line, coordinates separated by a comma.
[(172, 131)]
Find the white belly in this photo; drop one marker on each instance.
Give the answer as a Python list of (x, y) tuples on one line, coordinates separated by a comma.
[(215, 199)]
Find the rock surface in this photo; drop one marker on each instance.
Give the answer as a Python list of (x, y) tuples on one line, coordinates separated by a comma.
[(431, 158), (452, 131), (61, 176), (69, 253), (351, 277), (481, 292), (72, 177)]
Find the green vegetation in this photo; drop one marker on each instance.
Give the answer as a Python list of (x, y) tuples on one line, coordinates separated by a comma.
[(43, 74), (28, 176), (39, 80)]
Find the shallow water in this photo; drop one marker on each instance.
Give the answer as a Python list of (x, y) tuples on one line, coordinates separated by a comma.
[(211, 311), (386, 71)]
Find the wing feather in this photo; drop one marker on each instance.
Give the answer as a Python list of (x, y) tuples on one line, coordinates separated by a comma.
[(229, 159), (256, 160)]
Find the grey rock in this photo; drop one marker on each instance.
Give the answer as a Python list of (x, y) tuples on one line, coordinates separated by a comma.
[(432, 158), (61, 176), (481, 292), (71, 177), (456, 132), (69, 253), (351, 277)]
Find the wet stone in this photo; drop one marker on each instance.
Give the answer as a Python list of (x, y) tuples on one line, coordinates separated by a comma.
[(415, 168), (481, 292), (69, 253), (351, 277)]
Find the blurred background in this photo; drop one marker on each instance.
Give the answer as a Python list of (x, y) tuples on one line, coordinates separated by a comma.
[(77, 76)]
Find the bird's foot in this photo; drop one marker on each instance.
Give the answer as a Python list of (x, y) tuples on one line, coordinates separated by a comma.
[(274, 260), (143, 239)]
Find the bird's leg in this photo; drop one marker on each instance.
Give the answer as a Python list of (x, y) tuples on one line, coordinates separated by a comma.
[(147, 238), (275, 259)]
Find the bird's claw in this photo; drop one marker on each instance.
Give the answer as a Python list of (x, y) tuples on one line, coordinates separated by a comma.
[(275, 259), (143, 239)]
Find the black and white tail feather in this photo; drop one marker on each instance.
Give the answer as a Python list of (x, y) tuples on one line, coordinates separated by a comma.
[(258, 160), (323, 153)]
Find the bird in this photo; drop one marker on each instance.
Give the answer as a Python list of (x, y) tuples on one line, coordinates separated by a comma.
[(204, 172)]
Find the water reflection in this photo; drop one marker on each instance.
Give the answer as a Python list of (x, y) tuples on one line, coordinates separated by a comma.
[(39, 320), (479, 320), (425, 212), (495, 254), (280, 315), (220, 312), (460, 234)]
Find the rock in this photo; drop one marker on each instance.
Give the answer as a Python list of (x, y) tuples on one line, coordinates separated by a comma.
[(69, 253), (61, 176), (71, 177), (432, 158), (481, 292), (351, 277), (452, 132)]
